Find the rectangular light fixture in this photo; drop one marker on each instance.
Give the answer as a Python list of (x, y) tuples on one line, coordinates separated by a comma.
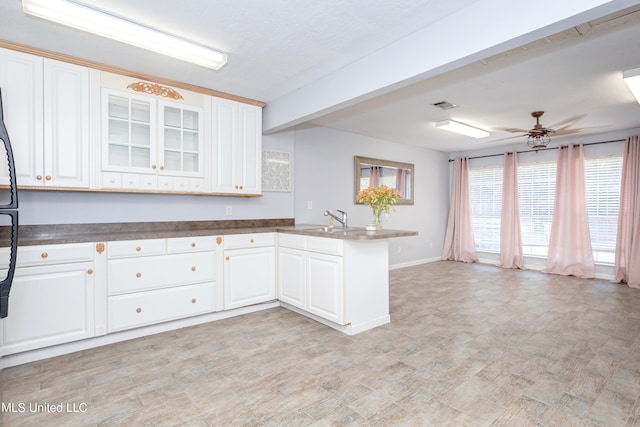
[(106, 25), (461, 128), (632, 79)]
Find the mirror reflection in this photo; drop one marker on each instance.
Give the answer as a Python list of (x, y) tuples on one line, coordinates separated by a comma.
[(371, 172)]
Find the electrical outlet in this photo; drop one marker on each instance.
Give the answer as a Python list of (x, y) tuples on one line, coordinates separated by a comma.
[(229, 211)]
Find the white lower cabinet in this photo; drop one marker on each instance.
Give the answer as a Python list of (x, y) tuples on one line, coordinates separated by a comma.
[(146, 308), (325, 285), (52, 297), (345, 282), (152, 281), (249, 269)]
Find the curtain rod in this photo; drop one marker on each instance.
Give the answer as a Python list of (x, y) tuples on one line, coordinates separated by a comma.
[(545, 149)]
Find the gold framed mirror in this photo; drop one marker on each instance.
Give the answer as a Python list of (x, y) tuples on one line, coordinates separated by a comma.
[(370, 172)]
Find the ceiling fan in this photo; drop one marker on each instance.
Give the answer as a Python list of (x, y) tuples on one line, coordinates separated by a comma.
[(539, 136)]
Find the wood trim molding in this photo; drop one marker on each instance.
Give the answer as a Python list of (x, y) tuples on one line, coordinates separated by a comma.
[(117, 70)]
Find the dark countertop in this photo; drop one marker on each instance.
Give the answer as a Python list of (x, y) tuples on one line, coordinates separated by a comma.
[(104, 232)]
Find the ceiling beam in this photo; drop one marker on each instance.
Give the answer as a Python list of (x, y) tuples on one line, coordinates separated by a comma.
[(485, 28)]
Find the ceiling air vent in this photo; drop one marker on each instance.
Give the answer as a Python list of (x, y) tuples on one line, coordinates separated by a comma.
[(445, 105)]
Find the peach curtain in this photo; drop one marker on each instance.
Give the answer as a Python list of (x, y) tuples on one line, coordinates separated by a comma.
[(458, 241), (510, 237), (401, 181), (570, 250), (627, 267)]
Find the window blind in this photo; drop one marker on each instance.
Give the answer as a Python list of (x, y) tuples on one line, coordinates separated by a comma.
[(602, 177), (485, 194), (536, 191)]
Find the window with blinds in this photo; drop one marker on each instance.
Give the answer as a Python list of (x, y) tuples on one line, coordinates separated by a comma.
[(536, 195), (602, 177), (485, 194), (536, 191)]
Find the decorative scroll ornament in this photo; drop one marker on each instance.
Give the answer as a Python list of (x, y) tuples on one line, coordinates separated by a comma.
[(155, 89)]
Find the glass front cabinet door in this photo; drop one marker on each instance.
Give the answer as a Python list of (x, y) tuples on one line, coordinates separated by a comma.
[(150, 144)]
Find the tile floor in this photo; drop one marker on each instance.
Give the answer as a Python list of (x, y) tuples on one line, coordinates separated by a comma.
[(471, 345)]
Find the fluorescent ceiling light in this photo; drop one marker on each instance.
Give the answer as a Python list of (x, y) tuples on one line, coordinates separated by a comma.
[(462, 129), (103, 24), (632, 79)]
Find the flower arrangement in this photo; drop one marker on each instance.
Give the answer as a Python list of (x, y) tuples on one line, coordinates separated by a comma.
[(381, 199)]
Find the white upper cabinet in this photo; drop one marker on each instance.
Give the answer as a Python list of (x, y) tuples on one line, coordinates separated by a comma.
[(151, 144), (237, 142), (66, 125), (46, 106)]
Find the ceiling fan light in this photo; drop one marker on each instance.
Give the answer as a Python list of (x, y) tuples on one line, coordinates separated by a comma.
[(632, 79), (462, 129), (538, 141), (103, 24)]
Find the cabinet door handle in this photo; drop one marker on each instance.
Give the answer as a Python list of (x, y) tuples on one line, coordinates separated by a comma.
[(138, 275), (39, 177), (193, 300), (138, 310), (44, 254)]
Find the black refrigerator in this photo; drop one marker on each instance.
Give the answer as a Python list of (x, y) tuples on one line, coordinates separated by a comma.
[(8, 215)]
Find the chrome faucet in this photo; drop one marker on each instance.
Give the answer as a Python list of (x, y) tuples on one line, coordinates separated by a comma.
[(342, 220)]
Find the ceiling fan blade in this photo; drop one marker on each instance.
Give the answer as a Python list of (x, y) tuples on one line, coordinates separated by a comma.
[(514, 130), (561, 132), (569, 122), (504, 139)]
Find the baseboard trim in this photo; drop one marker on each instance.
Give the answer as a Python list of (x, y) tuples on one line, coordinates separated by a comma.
[(413, 263)]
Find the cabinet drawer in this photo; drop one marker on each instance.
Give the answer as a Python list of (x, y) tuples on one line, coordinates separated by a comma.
[(145, 273), (324, 245), (238, 241), (131, 248), (191, 244), (146, 308), (294, 241), (49, 254)]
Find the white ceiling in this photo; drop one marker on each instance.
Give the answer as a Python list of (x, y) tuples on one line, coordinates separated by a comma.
[(276, 47)]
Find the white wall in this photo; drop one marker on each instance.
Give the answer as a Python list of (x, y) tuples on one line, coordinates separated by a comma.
[(67, 207), (324, 179)]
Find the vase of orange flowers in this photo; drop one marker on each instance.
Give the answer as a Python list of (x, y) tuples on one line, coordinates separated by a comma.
[(380, 199)]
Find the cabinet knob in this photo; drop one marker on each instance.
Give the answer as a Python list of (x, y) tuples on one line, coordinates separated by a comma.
[(90, 271), (193, 268), (48, 177), (39, 177), (236, 187), (227, 258), (251, 241), (138, 248), (219, 240), (193, 245), (44, 254), (138, 310), (193, 300), (241, 187), (153, 166), (161, 168), (138, 275)]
